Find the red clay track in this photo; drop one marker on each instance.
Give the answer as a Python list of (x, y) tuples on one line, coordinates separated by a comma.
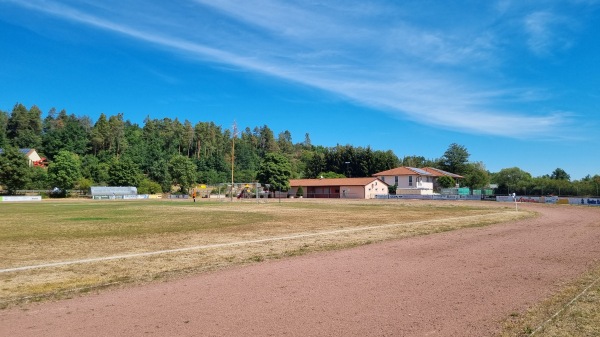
[(460, 283)]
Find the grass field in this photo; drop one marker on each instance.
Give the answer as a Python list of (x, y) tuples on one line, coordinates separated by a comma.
[(208, 235), (34, 234)]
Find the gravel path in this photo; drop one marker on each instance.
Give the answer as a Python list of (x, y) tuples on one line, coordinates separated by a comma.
[(460, 283)]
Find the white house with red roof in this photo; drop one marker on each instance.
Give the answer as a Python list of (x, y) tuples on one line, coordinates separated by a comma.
[(412, 180), (409, 180), (342, 188), (437, 173), (33, 158)]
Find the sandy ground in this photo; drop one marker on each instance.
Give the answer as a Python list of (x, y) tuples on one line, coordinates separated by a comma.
[(460, 283)]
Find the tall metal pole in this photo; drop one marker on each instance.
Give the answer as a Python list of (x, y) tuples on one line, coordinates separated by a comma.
[(233, 156), (232, 162)]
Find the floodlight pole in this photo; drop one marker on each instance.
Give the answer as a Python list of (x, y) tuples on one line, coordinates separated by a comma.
[(232, 161), (233, 156)]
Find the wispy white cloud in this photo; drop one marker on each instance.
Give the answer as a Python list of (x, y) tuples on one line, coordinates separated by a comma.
[(547, 32), (371, 54)]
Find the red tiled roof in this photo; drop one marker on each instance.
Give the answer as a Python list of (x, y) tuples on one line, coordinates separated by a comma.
[(334, 182), (402, 171)]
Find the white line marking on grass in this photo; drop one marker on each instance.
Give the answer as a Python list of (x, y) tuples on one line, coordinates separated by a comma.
[(219, 245), (539, 328)]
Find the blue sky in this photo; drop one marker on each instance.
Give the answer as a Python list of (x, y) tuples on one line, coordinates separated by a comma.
[(516, 82)]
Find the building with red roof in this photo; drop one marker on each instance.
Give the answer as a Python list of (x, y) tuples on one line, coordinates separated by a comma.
[(342, 188)]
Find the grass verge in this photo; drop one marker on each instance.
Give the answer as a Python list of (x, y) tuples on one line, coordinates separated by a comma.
[(573, 311)]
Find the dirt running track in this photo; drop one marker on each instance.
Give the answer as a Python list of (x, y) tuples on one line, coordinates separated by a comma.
[(461, 283)]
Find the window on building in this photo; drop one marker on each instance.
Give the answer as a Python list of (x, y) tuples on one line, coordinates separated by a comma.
[(410, 181), (396, 180)]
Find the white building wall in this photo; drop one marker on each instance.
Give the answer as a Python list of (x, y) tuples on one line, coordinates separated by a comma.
[(352, 192), (375, 188), (404, 182)]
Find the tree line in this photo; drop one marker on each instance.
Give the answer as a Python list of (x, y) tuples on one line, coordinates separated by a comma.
[(165, 153)]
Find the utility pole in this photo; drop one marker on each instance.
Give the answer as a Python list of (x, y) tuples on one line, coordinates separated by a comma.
[(233, 156)]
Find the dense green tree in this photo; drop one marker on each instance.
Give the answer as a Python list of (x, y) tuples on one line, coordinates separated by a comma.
[(559, 187), (315, 164), (3, 129), (24, 127), (595, 181), (331, 175), (307, 142), (347, 160), (476, 176), (182, 171), (446, 182), (153, 149), (213, 177), (148, 186), (545, 185), (384, 160), (415, 161), (510, 180), (245, 176), (208, 137), (65, 170), (65, 132), (14, 169), (284, 143), (187, 138), (540, 186), (276, 171), (455, 159), (117, 142), (38, 179), (85, 184), (136, 147), (267, 143), (594, 185), (560, 174), (124, 172), (246, 158), (100, 134), (95, 170), (174, 132), (159, 172)]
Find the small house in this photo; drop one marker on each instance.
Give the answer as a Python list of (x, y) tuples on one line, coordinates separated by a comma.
[(33, 158), (409, 180), (339, 188)]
